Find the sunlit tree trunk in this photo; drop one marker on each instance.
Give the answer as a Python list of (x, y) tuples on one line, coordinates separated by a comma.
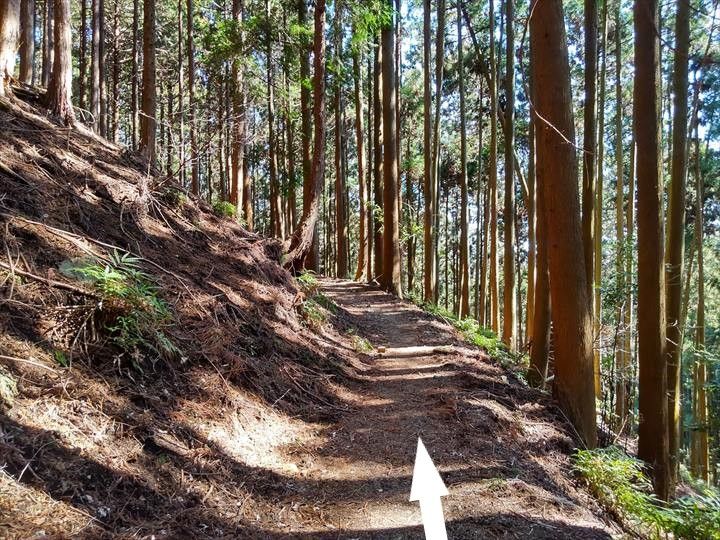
[(509, 311), (194, 158), (27, 40), (464, 274), (492, 187), (653, 414), (363, 266), (48, 44), (589, 137), (391, 279), (557, 182), (276, 216), (238, 120), (301, 241), (439, 67), (341, 232), (676, 232), (312, 260), (9, 34), (59, 94), (428, 185), (378, 163)]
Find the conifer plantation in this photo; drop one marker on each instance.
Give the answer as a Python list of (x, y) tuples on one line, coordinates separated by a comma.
[(253, 250)]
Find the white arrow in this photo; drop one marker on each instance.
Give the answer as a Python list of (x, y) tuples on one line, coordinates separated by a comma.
[(428, 487)]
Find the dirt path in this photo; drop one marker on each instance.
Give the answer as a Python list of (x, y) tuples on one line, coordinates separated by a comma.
[(500, 447)]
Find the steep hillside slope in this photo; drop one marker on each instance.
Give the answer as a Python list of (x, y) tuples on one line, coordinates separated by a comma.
[(162, 376)]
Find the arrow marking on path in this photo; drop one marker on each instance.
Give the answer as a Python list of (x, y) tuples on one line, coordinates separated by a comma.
[(427, 488)]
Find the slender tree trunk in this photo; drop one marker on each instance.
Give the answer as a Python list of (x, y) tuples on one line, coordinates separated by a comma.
[(598, 219), (532, 229), (557, 181), (676, 233), (115, 112), (27, 40), (194, 158), (492, 188), (370, 167), (276, 218), (508, 334), (464, 256), (700, 447), (48, 41), (9, 35), (96, 73), (480, 225), (134, 72), (621, 356), (341, 233), (363, 268), (59, 94), (238, 120), (378, 163), (652, 432), (149, 97), (302, 239), (428, 186), (439, 67), (391, 279), (82, 56), (589, 137)]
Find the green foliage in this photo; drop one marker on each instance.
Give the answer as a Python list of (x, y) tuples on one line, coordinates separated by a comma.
[(224, 209), (308, 282), (130, 308), (313, 313), (173, 197), (619, 482), (360, 344), (8, 389), (61, 358)]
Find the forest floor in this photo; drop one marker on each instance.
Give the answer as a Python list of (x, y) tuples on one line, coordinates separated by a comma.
[(272, 419)]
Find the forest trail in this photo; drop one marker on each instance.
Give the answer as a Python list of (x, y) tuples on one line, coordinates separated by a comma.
[(499, 446)]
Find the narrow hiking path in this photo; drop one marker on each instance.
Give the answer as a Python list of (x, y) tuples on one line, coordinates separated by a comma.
[(501, 448)]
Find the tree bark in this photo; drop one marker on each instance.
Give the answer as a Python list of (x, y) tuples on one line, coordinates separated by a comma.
[(194, 158), (363, 266), (557, 181), (59, 94), (276, 217), (391, 278), (27, 40), (48, 42), (652, 431), (302, 239), (464, 256), (676, 232), (428, 186), (589, 137), (492, 187), (341, 232), (9, 35), (508, 334), (238, 121), (149, 97), (378, 163), (134, 90)]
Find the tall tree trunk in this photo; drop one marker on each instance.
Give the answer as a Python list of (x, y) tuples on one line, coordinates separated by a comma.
[(82, 56), (27, 40), (149, 97), (589, 137), (341, 233), (370, 167), (238, 120), (621, 355), (557, 181), (301, 240), (378, 163), (115, 113), (508, 334), (676, 232), (391, 279), (181, 99), (481, 221), (428, 186), (363, 266), (95, 67), (464, 256), (597, 220), (59, 94), (134, 72), (312, 260), (532, 229), (492, 187), (194, 159), (48, 41), (699, 449), (9, 34), (439, 67), (652, 432), (276, 217)]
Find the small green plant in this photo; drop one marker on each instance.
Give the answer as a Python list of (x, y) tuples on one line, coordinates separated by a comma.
[(61, 358), (313, 313), (173, 197), (308, 282), (130, 308), (619, 482), (360, 344), (224, 209)]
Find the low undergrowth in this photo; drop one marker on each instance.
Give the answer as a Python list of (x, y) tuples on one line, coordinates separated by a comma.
[(129, 308), (620, 484), (316, 307)]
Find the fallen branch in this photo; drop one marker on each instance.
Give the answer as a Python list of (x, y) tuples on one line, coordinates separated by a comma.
[(27, 361)]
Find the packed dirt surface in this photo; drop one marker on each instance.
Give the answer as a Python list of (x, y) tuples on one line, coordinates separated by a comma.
[(281, 410)]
